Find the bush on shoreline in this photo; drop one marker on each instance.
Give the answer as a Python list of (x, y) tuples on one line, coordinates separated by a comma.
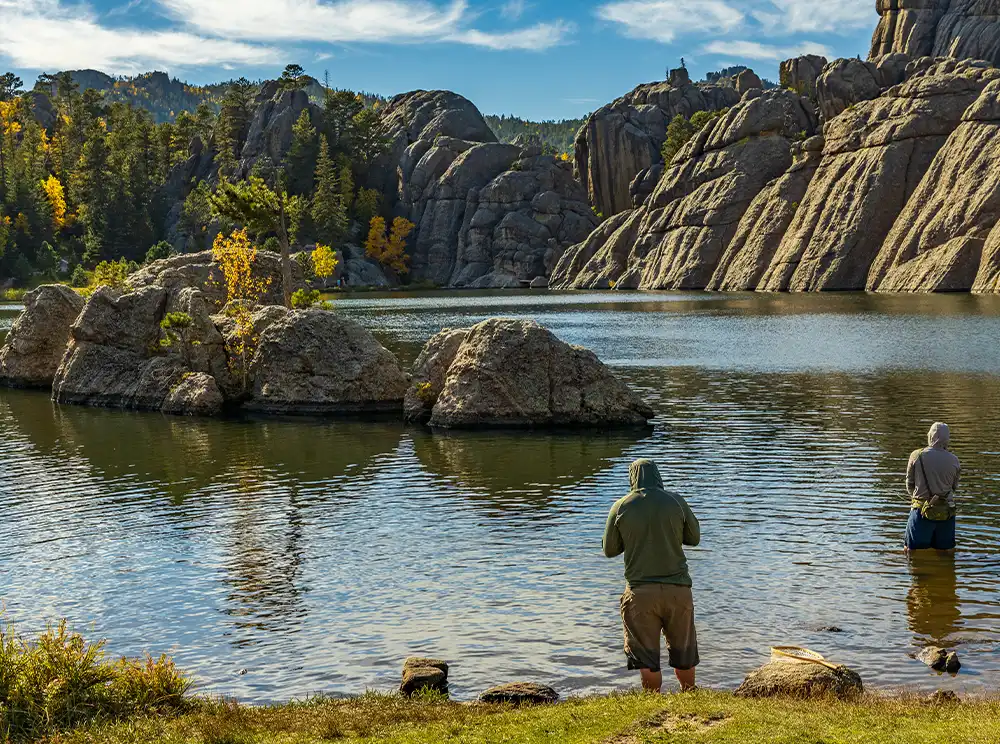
[(60, 681)]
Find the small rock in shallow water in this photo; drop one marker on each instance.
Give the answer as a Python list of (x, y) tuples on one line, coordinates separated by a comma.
[(940, 660), (520, 693), (829, 629)]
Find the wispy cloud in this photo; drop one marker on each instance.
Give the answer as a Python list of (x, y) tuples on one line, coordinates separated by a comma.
[(513, 9), (810, 16), (46, 34), (386, 21), (766, 52), (665, 20)]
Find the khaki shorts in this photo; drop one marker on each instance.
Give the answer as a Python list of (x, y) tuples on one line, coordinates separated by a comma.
[(651, 609)]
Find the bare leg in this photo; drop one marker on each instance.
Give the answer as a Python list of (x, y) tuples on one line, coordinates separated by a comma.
[(686, 678), (651, 681)]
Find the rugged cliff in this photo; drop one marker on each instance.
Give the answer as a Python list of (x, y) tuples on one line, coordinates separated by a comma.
[(677, 237), (962, 29), (622, 139), (487, 214)]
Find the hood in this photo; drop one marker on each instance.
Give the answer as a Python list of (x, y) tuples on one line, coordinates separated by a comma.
[(644, 474), (939, 436)]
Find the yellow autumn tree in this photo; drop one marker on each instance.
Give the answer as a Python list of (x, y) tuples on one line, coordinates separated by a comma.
[(324, 261), (57, 201), (236, 257), (389, 250)]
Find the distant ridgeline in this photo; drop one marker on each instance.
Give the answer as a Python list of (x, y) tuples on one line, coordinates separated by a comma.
[(554, 136), (732, 73), (166, 97)]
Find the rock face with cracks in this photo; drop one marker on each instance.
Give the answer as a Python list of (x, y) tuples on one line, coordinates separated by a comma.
[(874, 157), (624, 138), (677, 238), (963, 29), (512, 373), (37, 341)]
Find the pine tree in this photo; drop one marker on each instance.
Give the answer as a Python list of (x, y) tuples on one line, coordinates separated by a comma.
[(329, 213), (300, 162)]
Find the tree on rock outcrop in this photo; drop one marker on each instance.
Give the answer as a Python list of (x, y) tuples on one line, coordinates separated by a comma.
[(263, 210), (293, 77)]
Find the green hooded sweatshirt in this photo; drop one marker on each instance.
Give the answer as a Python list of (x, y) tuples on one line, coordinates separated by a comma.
[(651, 526)]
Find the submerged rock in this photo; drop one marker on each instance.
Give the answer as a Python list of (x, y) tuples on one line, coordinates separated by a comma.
[(318, 362), (800, 680), (424, 674), (37, 341), (940, 659), (520, 693), (516, 373)]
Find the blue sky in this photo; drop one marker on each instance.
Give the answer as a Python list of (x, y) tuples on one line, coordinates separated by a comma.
[(541, 59)]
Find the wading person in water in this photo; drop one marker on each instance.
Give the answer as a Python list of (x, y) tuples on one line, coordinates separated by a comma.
[(931, 481), (651, 526)]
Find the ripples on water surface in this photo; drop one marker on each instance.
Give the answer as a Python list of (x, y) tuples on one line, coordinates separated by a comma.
[(317, 555)]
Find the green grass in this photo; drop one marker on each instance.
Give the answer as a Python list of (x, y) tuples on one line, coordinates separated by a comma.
[(699, 718)]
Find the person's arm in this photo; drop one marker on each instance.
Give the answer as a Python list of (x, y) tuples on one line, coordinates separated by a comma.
[(613, 544), (692, 530), (958, 472), (910, 475)]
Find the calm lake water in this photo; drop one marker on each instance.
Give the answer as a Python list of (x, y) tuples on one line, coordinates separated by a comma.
[(316, 555)]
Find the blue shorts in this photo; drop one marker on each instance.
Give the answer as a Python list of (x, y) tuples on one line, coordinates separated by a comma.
[(923, 534)]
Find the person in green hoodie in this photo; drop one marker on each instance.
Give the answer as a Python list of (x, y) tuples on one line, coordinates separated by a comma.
[(651, 526)]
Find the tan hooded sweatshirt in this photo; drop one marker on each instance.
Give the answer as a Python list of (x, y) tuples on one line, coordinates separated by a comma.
[(941, 466)]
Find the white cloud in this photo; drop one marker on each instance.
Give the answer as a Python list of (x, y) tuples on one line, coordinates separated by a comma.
[(665, 20), (353, 21), (810, 16), (47, 35), (767, 52), (540, 36), (513, 9)]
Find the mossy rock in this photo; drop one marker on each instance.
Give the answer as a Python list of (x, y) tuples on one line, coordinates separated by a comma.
[(801, 680)]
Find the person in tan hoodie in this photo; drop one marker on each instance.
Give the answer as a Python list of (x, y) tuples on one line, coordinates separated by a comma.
[(931, 482)]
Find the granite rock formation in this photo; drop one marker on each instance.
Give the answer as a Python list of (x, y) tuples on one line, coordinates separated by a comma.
[(512, 373), (318, 362), (624, 138), (37, 341), (677, 238), (874, 158), (962, 29), (845, 82), (800, 74)]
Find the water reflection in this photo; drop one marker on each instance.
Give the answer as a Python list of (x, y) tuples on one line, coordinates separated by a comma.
[(319, 554), (932, 603)]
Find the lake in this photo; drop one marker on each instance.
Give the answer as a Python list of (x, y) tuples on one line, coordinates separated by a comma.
[(278, 558)]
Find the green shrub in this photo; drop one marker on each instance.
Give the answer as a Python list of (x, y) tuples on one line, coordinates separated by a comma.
[(161, 250), (305, 298), (61, 681), (13, 295), (680, 131), (79, 278), (111, 273)]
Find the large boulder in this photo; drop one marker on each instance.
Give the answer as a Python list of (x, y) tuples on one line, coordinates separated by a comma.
[(200, 271), (874, 157), (846, 82), (801, 679), (677, 238), (512, 373), (114, 358), (429, 373), (963, 29), (624, 138), (939, 241), (37, 340), (800, 74), (318, 362)]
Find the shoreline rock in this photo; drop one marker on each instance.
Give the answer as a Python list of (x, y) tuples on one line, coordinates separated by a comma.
[(37, 340), (520, 693), (800, 680)]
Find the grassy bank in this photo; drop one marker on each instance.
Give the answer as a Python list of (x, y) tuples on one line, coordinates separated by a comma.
[(703, 717)]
